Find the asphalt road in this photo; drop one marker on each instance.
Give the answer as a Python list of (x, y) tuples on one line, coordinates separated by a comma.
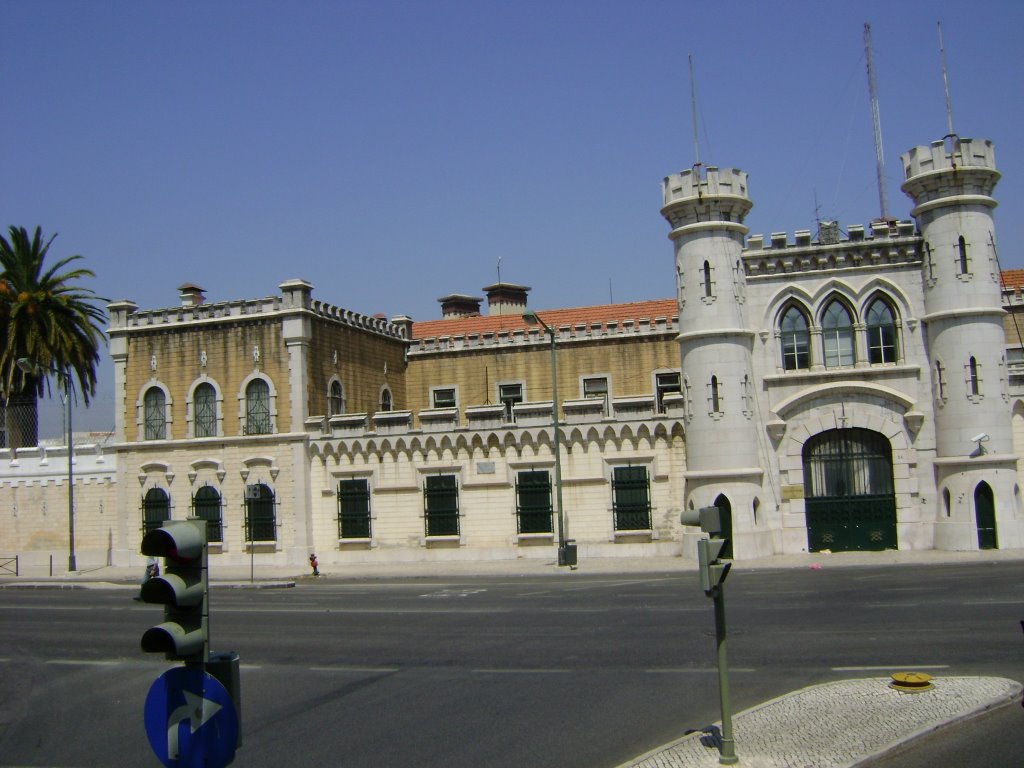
[(570, 669)]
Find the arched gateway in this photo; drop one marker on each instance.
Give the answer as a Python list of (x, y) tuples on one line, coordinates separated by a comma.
[(848, 491)]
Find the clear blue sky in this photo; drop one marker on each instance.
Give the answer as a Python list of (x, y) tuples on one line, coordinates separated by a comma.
[(390, 152)]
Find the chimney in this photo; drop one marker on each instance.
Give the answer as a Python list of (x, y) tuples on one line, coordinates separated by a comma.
[(191, 295), (459, 305), (506, 298)]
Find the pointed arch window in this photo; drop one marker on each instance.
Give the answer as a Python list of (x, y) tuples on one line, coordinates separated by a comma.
[(155, 414), (881, 324), (715, 396), (386, 401), (963, 262), (336, 399), (837, 335), (708, 285), (796, 340), (973, 378)]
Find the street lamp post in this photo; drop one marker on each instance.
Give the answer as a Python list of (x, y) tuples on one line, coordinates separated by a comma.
[(566, 555), (28, 366)]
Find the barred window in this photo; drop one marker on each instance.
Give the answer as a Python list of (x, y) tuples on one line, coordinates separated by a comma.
[(204, 405), (257, 408), (354, 508), (154, 406), (206, 504)]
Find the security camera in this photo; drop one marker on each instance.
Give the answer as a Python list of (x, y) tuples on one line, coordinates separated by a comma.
[(979, 438)]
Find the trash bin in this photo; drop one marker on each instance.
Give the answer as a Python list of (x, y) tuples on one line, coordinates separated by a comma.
[(567, 553)]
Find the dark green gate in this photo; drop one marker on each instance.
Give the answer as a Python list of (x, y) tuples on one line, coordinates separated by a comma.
[(848, 491)]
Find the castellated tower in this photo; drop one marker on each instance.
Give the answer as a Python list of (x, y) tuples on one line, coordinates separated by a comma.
[(951, 184), (706, 213)]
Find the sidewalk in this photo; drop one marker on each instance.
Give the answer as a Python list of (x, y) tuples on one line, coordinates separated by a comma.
[(241, 575), (837, 724)]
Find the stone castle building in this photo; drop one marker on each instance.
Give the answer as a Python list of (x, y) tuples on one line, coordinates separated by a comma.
[(836, 390)]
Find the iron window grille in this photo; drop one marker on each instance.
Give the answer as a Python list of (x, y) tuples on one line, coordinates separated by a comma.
[(156, 509), (260, 513), (155, 414), (441, 505), (354, 509), (257, 408), (631, 499), (207, 504), (204, 403), (533, 502)]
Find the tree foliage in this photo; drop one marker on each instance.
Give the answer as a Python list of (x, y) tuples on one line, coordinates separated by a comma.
[(47, 317)]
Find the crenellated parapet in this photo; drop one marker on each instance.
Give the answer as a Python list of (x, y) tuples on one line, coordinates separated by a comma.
[(701, 195), (583, 331), (125, 316), (950, 168), (882, 243)]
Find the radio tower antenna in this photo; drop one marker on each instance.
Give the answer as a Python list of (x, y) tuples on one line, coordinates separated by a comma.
[(876, 121), (945, 85), (693, 111)]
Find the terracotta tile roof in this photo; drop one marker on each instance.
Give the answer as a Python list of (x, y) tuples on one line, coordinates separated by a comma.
[(1013, 279), (601, 313)]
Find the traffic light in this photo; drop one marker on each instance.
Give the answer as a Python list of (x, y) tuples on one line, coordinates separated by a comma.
[(712, 570), (182, 589)]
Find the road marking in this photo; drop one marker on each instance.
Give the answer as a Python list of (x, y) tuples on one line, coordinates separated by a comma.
[(83, 662), (889, 667), (358, 670), (522, 671), (695, 670), (992, 602), (892, 605)]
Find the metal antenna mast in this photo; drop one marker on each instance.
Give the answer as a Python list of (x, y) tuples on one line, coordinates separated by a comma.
[(693, 110), (945, 85), (877, 123)]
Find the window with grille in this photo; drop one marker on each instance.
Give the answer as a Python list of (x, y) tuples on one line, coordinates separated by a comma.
[(156, 509), (206, 504), (796, 340), (533, 501), (260, 513), (631, 499), (881, 325), (204, 406), (354, 509), (257, 408), (441, 505), (154, 404)]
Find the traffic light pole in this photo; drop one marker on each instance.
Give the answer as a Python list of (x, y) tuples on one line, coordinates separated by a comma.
[(727, 754)]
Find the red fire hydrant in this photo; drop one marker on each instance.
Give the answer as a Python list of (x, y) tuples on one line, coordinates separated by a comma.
[(314, 564)]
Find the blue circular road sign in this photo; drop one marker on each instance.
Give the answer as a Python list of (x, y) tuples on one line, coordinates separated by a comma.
[(191, 720)]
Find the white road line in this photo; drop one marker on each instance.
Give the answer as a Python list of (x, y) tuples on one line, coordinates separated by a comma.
[(890, 667), (83, 662), (358, 670), (697, 670), (992, 602), (522, 671)]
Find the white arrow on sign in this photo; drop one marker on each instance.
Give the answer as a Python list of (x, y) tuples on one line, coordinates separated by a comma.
[(197, 711)]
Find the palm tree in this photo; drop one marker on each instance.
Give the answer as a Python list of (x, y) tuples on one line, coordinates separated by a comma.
[(48, 320)]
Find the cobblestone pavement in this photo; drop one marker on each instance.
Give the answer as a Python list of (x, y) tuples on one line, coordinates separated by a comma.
[(836, 724)]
